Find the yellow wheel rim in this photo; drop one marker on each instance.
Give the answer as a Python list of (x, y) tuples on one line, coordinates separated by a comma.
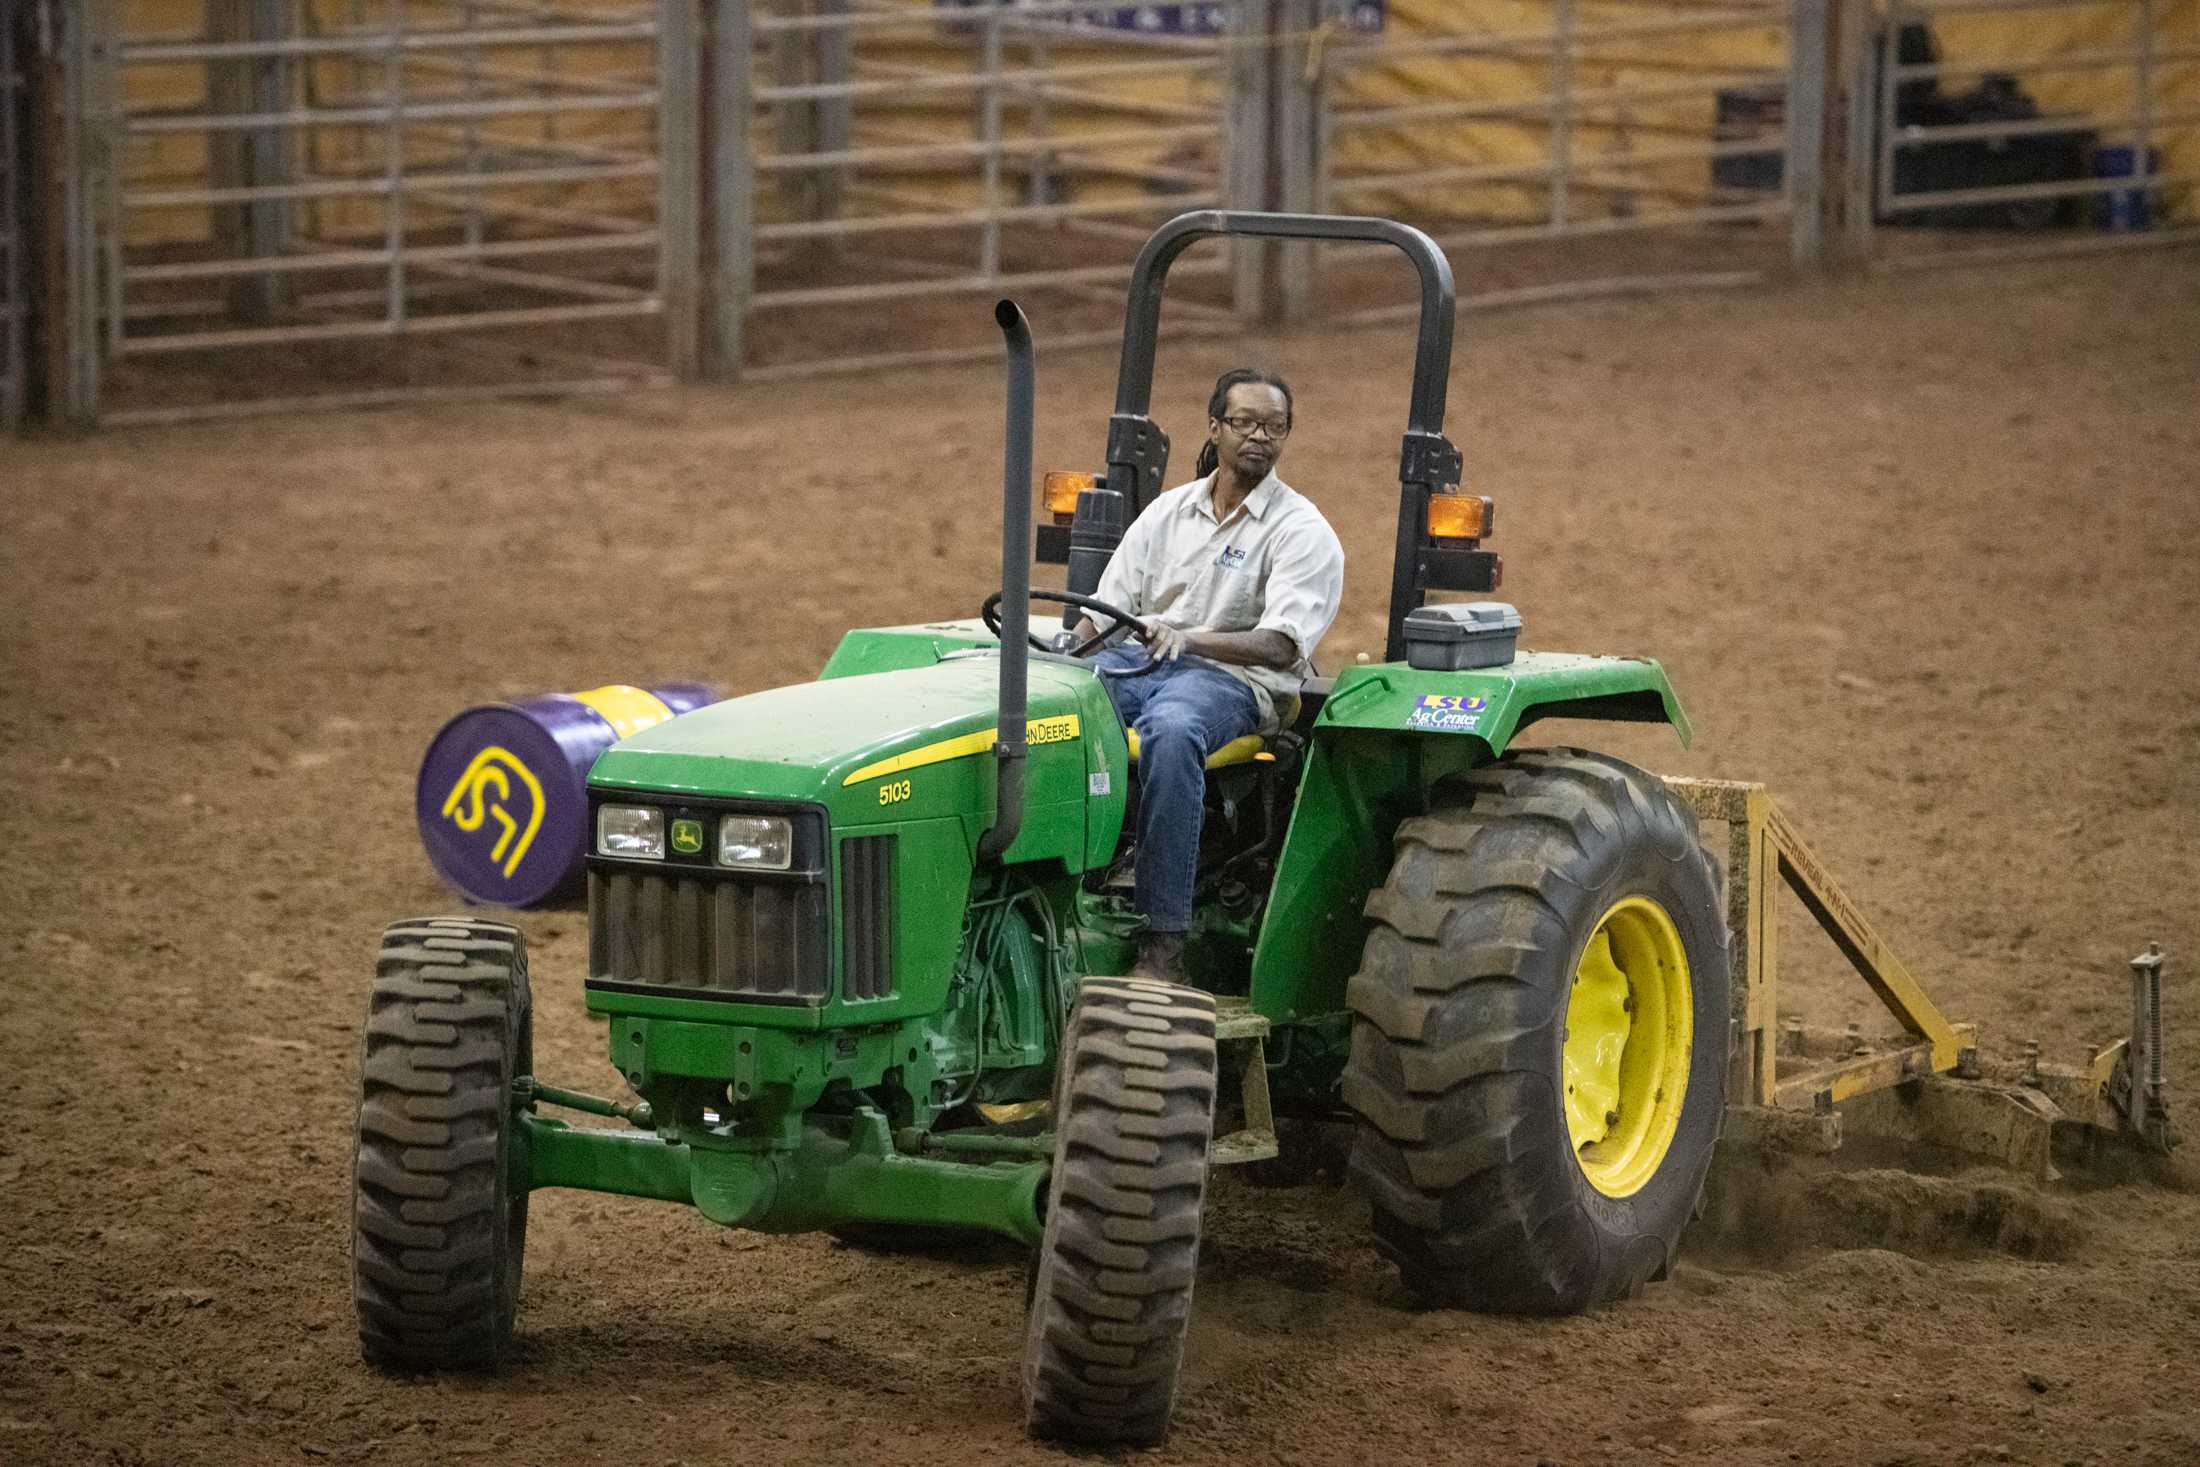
[(1629, 1025)]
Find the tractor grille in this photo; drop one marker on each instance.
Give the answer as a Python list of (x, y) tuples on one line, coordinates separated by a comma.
[(867, 916), (718, 933)]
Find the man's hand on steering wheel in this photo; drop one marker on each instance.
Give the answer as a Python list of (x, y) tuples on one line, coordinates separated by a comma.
[(1120, 622), (1165, 643)]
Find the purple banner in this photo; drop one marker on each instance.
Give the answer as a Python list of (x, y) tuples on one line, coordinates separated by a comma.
[(1199, 18)]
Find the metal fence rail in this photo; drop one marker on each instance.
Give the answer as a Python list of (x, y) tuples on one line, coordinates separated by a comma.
[(386, 199), (1605, 149), (913, 156), (305, 173), (1962, 151)]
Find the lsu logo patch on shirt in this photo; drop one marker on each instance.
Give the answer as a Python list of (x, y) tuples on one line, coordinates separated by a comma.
[(1231, 558), (1448, 712)]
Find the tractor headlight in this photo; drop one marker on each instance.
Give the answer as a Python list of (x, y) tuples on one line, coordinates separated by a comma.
[(756, 840), (630, 830)]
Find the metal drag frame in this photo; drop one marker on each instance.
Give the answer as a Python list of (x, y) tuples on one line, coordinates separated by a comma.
[(388, 169), (1874, 201), (1613, 195), (1931, 1086)]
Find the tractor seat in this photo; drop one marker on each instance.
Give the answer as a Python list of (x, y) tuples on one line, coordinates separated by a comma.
[(1240, 750)]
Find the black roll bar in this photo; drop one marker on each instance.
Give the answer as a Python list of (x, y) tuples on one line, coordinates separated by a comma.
[(1142, 312), (1138, 451)]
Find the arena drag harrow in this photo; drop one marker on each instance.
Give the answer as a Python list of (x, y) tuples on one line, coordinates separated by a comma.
[(1798, 1086)]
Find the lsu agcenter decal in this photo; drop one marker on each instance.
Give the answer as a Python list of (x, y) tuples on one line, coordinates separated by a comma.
[(1448, 712)]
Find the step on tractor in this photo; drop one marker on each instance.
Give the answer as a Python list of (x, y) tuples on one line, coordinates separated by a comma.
[(860, 945)]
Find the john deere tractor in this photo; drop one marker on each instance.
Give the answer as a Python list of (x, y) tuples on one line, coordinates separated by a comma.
[(859, 943)]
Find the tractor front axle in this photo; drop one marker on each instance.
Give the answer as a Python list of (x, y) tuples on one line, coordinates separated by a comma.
[(825, 1180)]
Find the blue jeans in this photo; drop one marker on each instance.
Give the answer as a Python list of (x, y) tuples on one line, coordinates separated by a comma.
[(1183, 711)]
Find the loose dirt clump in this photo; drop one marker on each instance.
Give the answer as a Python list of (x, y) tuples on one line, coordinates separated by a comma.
[(1763, 1212)]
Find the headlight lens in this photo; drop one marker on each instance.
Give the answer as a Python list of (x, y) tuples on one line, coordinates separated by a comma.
[(630, 830), (756, 840)]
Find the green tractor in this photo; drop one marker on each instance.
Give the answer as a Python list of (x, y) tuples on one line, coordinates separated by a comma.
[(853, 940)]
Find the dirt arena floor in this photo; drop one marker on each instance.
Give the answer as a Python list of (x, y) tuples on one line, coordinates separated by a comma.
[(1919, 554)]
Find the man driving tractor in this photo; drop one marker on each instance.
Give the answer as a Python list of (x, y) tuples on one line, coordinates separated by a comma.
[(1237, 577)]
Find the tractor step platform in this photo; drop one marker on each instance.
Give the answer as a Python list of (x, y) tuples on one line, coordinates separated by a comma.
[(1235, 1019), (1246, 1032)]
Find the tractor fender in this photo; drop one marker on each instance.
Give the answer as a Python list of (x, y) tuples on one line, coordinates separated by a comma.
[(1489, 705), (1386, 736)]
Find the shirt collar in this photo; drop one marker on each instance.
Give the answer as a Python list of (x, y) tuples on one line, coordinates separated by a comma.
[(1256, 503)]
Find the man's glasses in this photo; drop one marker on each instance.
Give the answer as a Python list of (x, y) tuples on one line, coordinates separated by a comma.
[(1244, 427)]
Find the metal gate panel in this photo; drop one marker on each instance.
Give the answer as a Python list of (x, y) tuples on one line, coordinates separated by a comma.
[(1578, 146), (383, 198), (912, 157), (2011, 127)]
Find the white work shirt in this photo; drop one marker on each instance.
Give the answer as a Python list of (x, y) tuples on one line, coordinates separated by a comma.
[(1274, 565)]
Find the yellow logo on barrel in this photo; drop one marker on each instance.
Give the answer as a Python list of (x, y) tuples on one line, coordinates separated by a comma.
[(483, 793)]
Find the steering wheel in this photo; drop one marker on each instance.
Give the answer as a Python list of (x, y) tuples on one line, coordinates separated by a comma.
[(1120, 623)]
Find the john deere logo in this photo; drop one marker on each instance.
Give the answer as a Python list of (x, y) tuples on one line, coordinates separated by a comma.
[(687, 836)]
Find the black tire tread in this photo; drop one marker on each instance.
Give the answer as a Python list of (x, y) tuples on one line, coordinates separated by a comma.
[(434, 1274), (1113, 1292), (1454, 1147)]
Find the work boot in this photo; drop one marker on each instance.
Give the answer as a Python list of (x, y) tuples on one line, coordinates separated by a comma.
[(1161, 957)]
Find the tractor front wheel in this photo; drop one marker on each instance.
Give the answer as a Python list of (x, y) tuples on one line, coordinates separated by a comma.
[(438, 1225), (1539, 1038), (1111, 1294)]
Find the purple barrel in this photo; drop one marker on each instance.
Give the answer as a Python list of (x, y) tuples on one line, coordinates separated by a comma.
[(502, 798)]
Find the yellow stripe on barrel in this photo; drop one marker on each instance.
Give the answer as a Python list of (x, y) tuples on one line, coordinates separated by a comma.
[(627, 709)]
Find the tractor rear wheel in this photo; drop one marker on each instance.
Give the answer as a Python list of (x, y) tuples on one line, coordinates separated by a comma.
[(438, 1225), (1111, 1295), (1539, 1039)]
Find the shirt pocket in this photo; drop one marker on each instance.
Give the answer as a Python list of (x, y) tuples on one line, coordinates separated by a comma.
[(1235, 592)]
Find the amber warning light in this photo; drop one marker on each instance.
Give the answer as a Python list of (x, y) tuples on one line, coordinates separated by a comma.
[(1061, 490), (1457, 516)]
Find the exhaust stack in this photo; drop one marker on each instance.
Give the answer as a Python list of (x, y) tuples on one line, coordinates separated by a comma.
[(1008, 747)]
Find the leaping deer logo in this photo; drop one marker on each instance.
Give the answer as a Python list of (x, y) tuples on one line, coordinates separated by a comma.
[(471, 803)]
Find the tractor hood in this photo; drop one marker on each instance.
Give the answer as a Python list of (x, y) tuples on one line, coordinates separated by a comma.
[(890, 748)]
